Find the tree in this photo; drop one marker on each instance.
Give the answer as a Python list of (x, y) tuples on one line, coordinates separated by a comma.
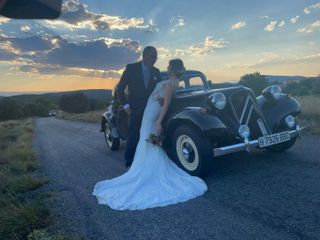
[(255, 81), (76, 102), (10, 109), (316, 86), (95, 104), (35, 109)]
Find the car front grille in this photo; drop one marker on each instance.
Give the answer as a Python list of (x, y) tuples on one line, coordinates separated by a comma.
[(247, 111)]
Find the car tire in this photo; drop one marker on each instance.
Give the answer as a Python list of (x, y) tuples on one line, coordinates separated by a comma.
[(192, 151), (112, 143), (281, 147)]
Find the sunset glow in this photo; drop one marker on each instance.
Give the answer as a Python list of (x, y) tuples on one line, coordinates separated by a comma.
[(90, 44)]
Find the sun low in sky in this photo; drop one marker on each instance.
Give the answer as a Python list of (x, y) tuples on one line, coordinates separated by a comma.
[(90, 44)]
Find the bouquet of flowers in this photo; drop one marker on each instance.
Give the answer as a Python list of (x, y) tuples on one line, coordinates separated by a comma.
[(155, 139)]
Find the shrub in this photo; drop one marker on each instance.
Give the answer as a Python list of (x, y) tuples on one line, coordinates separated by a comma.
[(10, 109), (76, 102), (255, 81)]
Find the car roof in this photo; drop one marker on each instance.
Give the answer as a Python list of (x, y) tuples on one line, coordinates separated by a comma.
[(188, 72)]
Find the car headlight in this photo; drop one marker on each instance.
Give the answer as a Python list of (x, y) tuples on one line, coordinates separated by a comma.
[(219, 100), (276, 91), (290, 121), (273, 91), (244, 131)]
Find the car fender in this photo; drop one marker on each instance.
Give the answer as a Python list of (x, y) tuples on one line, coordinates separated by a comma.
[(206, 123), (108, 117), (275, 111)]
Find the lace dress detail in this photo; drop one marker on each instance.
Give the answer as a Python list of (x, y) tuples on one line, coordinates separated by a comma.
[(153, 180), (159, 89)]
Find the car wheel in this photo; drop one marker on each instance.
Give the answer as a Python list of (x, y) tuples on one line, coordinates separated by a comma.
[(280, 147), (112, 143), (192, 152)]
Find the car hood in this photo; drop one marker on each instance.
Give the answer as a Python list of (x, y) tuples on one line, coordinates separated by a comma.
[(207, 92)]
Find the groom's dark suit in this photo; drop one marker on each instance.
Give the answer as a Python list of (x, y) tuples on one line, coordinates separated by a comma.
[(138, 94)]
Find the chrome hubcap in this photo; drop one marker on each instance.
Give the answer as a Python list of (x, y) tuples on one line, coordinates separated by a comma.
[(187, 152), (108, 135)]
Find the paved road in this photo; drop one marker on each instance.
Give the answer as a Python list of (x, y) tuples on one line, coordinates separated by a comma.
[(259, 196)]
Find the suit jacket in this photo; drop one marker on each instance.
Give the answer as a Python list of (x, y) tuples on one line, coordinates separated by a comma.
[(138, 94)]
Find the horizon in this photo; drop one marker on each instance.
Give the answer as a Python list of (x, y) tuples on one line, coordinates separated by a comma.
[(91, 43), (11, 94)]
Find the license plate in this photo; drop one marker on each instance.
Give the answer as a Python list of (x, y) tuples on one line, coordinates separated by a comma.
[(272, 139)]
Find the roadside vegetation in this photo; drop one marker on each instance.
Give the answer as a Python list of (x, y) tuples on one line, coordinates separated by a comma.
[(23, 212), (91, 116), (11, 108), (310, 115), (23, 106)]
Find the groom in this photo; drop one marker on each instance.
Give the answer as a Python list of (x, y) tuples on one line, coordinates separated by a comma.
[(140, 78)]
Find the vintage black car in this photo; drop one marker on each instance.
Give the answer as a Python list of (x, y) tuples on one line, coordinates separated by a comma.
[(203, 123)]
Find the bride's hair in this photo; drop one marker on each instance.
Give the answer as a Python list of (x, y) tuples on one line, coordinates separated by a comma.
[(176, 67)]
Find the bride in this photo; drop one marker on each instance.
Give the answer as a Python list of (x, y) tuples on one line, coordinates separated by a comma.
[(153, 180)]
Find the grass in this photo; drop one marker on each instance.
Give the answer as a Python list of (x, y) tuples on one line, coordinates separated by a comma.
[(22, 211), (92, 116), (310, 113), (20, 217)]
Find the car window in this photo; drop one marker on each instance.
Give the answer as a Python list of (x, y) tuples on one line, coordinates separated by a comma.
[(182, 85), (195, 82), (191, 83)]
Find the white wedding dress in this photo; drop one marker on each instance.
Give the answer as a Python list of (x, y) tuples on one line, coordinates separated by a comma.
[(153, 179)]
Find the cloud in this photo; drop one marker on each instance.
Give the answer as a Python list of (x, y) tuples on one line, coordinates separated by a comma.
[(295, 19), (238, 25), (54, 70), (178, 22), (307, 10), (208, 46), (6, 55), (270, 27), (93, 55), (4, 20), (272, 59), (54, 53), (281, 24), (197, 50), (75, 15), (151, 27), (164, 53), (34, 43), (311, 28), (25, 28), (202, 49)]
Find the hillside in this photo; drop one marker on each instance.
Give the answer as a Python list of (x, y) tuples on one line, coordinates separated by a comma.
[(98, 94), (283, 79), (307, 86)]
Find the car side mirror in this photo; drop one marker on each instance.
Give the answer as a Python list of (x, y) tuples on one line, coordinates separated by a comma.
[(31, 9)]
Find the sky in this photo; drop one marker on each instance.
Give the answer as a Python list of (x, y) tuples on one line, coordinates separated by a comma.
[(90, 44)]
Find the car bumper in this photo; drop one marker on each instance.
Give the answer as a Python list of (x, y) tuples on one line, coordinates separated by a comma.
[(247, 145)]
